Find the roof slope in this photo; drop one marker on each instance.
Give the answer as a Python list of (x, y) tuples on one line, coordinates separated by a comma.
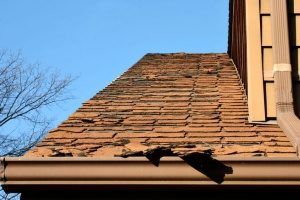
[(188, 102)]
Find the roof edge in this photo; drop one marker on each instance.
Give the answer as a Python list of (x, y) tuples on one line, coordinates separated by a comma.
[(23, 174)]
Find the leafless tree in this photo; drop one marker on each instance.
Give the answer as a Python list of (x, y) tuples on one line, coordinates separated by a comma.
[(26, 90)]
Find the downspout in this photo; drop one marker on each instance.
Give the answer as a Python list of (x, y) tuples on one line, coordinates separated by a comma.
[(282, 71)]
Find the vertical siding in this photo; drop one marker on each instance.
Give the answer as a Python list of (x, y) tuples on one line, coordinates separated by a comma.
[(294, 29), (265, 10), (237, 48)]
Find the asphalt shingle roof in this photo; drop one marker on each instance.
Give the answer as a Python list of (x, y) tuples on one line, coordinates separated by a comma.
[(185, 102)]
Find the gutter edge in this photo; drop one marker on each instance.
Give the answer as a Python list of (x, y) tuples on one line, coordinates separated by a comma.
[(23, 174)]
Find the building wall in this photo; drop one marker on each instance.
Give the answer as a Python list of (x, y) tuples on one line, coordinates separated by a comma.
[(237, 38), (260, 82), (294, 24), (294, 28)]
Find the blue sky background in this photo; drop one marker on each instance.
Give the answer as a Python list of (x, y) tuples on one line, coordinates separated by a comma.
[(97, 40)]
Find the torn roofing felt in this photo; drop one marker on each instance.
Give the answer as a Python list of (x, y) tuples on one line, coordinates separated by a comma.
[(185, 103)]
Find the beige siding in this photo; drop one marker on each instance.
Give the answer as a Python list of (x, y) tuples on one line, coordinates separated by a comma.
[(297, 98), (268, 63), (263, 33), (297, 29), (265, 6), (294, 6), (270, 93), (294, 26), (296, 62), (256, 103), (266, 30)]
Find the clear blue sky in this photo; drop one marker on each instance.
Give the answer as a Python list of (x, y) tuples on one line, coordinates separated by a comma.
[(97, 40)]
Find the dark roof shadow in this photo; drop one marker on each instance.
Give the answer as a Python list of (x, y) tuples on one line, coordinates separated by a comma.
[(202, 162), (212, 168)]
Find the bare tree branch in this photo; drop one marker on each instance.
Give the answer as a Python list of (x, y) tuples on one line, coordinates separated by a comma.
[(26, 90), (4, 196)]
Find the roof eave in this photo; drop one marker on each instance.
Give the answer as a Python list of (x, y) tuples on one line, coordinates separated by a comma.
[(23, 174)]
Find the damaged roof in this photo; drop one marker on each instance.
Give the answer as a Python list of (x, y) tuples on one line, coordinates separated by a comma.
[(178, 103)]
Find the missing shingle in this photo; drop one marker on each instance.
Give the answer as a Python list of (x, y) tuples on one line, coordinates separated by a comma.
[(219, 67), (259, 154), (87, 120), (121, 142), (188, 76), (82, 154), (128, 153), (183, 145), (120, 121), (62, 154)]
